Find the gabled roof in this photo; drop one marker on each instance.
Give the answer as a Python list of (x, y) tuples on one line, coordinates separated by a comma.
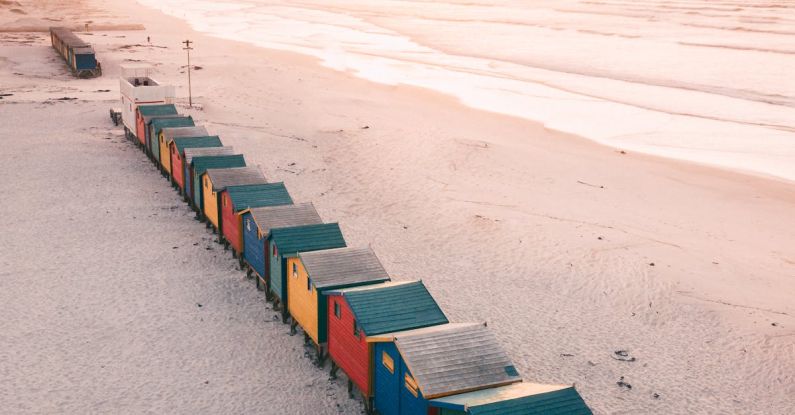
[(518, 399), (342, 267), (171, 132), (149, 118), (273, 217), (158, 109), (200, 141), (291, 241), (258, 195), (455, 358), (392, 306), (222, 178), (180, 121), (190, 152), (202, 163)]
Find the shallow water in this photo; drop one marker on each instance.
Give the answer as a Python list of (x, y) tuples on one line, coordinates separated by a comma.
[(708, 82)]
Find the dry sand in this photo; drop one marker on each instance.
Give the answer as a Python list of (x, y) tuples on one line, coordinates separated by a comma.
[(548, 237)]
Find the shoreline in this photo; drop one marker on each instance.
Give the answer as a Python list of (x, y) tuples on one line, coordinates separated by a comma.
[(715, 140), (449, 194)]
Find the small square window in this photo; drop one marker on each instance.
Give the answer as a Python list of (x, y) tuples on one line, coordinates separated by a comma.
[(337, 310), (248, 225), (411, 385), (308, 284), (356, 331), (224, 200), (274, 250), (295, 270)]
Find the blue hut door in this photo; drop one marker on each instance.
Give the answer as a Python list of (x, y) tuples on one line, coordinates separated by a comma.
[(388, 375)]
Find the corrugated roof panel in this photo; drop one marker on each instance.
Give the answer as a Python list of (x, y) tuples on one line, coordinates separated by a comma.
[(222, 178), (394, 306), (274, 217), (558, 402), (158, 109), (202, 163), (456, 358), (180, 121), (333, 268), (200, 141), (258, 195), (190, 153), (307, 238), (171, 132)]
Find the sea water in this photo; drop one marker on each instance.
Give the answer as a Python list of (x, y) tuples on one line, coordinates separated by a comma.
[(704, 81)]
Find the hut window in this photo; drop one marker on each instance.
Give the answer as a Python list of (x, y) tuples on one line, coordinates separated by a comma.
[(308, 284), (224, 201), (248, 225), (274, 250), (356, 331), (337, 310), (411, 385), (295, 270), (387, 361)]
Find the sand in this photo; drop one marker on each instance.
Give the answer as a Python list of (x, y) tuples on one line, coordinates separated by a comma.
[(548, 237)]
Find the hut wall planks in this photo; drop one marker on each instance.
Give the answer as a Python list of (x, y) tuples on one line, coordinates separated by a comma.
[(302, 299), (350, 352), (254, 246)]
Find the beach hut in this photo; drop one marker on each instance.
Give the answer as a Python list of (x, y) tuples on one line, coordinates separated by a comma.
[(167, 135), (188, 154), (235, 199), (358, 315), (314, 274), (138, 88), (257, 225), (414, 366), (155, 129), (145, 113), (177, 154), (286, 243), (216, 180), (519, 398), (199, 165)]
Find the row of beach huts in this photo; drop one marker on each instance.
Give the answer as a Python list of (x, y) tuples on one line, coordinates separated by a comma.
[(391, 339)]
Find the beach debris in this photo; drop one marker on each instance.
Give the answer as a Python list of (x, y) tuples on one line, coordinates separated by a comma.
[(5, 95), (622, 152), (566, 355), (623, 384), (102, 90), (365, 127), (206, 382), (590, 184), (623, 355), (63, 99), (655, 395), (592, 363), (599, 238), (174, 247), (199, 305), (774, 324), (651, 264)]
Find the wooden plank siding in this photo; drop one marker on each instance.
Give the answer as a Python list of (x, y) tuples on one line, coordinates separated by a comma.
[(302, 299), (351, 353)]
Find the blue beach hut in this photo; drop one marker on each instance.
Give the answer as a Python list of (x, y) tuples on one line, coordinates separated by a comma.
[(415, 366)]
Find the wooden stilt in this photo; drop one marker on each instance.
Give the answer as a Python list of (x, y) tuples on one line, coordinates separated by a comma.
[(333, 372)]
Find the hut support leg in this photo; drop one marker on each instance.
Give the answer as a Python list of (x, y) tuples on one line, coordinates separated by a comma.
[(333, 372), (268, 294), (248, 275), (284, 313), (368, 406), (240, 261), (350, 389), (294, 328), (321, 356)]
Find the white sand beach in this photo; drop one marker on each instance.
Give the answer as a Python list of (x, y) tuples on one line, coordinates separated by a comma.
[(569, 249)]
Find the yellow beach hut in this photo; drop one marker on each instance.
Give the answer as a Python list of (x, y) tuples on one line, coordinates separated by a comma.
[(215, 180)]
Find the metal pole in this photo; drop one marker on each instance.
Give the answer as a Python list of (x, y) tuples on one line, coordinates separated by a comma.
[(190, 95)]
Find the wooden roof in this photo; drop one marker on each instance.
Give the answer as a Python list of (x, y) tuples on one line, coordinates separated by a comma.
[(222, 178), (274, 217), (455, 358), (335, 268)]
